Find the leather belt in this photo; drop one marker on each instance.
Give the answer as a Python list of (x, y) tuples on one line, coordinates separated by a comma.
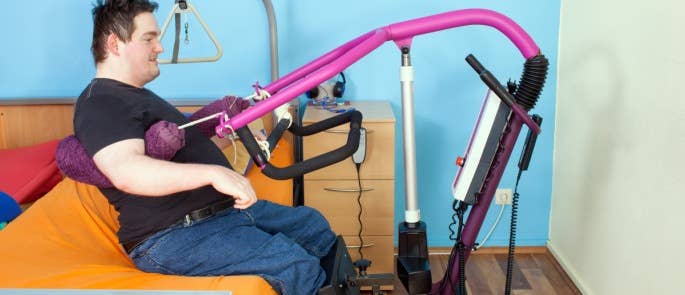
[(196, 215)]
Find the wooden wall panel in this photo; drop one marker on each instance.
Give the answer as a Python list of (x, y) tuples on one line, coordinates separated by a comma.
[(25, 125), (28, 123)]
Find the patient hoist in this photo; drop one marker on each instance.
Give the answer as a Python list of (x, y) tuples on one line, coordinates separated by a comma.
[(504, 112)]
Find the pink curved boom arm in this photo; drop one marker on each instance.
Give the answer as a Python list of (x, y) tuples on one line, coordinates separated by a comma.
[(328, 65)]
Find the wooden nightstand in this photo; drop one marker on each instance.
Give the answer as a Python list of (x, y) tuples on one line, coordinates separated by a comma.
[(333, 190)]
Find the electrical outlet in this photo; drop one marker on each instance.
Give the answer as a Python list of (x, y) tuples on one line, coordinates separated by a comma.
[(503, 196)]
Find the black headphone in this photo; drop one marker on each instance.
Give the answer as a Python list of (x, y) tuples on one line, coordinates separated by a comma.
[(338, 88)]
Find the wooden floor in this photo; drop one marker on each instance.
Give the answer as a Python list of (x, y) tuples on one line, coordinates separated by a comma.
[(535, 272)]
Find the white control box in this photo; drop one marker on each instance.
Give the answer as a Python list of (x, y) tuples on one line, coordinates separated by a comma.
[(481, 150)]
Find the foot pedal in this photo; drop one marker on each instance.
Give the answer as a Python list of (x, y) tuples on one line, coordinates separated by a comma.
[(340, 273)]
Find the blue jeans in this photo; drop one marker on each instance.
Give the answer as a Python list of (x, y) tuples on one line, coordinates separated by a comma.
[(281, 244)]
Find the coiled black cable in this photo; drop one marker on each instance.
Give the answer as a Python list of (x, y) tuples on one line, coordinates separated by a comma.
[(532, 81), (462, 270), (460, 244), (455, 205), (458, 249), (512, 235), (526, 94)]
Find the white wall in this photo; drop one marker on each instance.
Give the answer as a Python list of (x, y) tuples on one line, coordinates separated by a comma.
[(618, 215)]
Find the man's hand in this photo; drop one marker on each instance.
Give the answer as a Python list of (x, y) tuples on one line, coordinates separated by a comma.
[(233, 184)]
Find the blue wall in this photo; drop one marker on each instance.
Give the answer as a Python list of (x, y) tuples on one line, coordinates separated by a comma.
[(49, 57)]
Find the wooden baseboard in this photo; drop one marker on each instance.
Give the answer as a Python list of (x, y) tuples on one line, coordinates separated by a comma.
[(491, 250)]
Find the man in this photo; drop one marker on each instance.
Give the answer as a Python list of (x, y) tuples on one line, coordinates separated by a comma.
[(192, 215)]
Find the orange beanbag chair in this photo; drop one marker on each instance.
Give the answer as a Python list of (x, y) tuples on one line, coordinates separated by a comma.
[(67, 240)]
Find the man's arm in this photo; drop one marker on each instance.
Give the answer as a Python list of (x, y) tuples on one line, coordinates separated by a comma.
[(130, 170)]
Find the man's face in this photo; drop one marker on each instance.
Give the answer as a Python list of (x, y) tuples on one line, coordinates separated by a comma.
[(140, 54)]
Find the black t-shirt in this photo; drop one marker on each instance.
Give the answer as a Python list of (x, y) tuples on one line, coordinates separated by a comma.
[(109, 111)]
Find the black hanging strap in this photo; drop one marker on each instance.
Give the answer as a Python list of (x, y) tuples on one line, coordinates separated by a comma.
[(177, 20)]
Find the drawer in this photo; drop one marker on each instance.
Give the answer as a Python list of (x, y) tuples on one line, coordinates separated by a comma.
[(380, 152), (378, 249), (337, 200)]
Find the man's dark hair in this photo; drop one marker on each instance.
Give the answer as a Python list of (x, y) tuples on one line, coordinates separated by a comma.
[(115, 17)]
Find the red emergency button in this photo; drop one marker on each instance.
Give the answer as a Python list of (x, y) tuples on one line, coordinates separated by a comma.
[(460, 161)]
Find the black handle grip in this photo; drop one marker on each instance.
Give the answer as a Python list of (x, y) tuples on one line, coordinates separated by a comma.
[(328, 124), (277, 133), (490, 80), (529, 145), (309, 165), (475, 64)]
